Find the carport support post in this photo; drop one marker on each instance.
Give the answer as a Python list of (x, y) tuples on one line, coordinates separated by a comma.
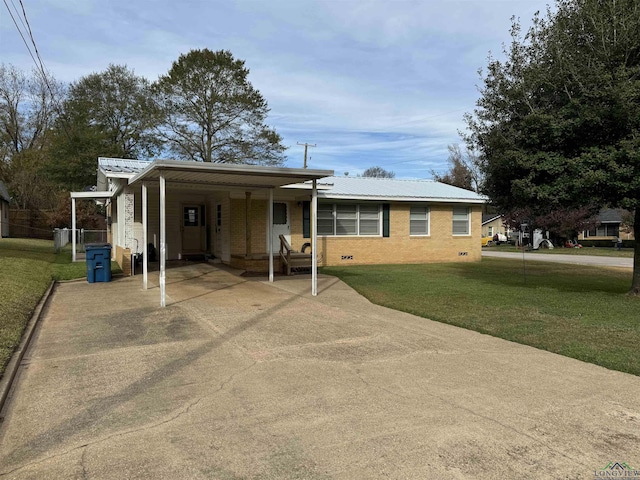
[(314, 240), (144, 235), (73, 228), (270, 234), (163, 239)]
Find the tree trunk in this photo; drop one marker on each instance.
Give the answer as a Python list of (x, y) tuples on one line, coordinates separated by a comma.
[(635, 283)]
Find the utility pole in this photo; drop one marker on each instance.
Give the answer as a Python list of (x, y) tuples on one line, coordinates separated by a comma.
[(306, 145)]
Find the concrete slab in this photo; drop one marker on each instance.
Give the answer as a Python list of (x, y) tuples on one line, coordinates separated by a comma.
[(238, 378)]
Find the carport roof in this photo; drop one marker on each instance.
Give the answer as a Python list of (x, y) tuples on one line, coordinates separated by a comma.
[(253, 176)]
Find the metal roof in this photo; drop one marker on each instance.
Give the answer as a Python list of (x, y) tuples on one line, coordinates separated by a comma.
[(246, 176), (385, 189), (122, 165), (329, 187)]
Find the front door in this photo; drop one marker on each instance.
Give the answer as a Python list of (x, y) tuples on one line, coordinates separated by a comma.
[(281, 224), (193, 225)]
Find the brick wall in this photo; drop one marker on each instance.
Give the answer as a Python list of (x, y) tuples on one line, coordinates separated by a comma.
[(258, 218), (440, 246)]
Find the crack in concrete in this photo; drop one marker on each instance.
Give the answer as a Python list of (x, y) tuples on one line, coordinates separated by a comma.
[(83, 464), (184, 411), (474, 413)]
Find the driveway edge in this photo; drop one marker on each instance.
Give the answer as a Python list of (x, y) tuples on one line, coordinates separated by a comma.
[(6, 383)]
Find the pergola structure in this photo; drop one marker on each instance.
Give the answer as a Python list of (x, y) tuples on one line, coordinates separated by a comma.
[(212, 175)]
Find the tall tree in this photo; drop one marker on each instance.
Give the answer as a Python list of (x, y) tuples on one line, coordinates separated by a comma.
[(27, 114), (378, 172), (212, 113), (464, 171), (558, 121), (111, 113)]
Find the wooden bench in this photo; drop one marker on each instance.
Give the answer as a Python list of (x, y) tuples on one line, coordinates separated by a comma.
[(291, 259)]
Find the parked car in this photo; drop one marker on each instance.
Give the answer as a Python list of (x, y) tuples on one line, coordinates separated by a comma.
[(487, 241)]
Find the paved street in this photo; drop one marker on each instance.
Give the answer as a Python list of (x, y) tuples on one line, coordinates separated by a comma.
[(561, 258)]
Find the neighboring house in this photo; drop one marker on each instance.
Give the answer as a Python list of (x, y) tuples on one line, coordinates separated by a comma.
[(609, 227), (4, 210), (222, 211), (492, 224)]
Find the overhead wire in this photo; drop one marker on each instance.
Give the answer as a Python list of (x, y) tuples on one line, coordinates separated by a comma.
[(37, 59), (26, 44)]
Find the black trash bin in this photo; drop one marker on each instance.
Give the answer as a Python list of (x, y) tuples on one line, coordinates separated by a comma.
[(98, 262)]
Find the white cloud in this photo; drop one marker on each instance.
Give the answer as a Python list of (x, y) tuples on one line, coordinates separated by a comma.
[(381, 82)]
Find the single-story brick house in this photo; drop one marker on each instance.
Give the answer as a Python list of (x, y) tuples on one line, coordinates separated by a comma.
[(223, 211), (4, 210)]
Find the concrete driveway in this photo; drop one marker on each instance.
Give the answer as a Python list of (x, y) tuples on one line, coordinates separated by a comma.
[(241, 379)]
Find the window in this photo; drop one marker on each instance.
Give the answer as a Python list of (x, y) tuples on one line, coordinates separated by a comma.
[(461, 219), (605, 230), (191, 217), (325, 220), (490, 231), (279, 213), (369, 220), (419, 221), (348, 219)]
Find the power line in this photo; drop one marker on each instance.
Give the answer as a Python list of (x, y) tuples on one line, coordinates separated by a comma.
[(24, 14), (39, 63), (20, 31)]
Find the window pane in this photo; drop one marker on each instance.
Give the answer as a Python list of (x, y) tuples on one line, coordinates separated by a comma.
[(369, 220), (190, 217), (325, 219), (460, 221), (279, 213), (419, 221), (346, 219)]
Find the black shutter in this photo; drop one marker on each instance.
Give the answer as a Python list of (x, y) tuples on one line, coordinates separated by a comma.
[(306, 219), (385, 219)]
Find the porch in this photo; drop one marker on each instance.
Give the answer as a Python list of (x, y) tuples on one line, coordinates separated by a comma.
[(234, 213)]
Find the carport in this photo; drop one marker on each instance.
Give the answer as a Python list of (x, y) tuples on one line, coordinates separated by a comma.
[(168, 173)]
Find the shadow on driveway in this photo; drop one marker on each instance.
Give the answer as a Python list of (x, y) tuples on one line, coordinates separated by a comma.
[(239, 378)]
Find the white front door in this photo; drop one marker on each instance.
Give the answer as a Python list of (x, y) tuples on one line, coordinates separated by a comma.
[(281, 224)]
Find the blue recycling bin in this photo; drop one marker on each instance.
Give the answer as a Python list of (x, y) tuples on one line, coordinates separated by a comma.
[(98, 262)]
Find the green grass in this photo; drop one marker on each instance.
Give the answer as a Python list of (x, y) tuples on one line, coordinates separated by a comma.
[(577, 311), (596, 251), (27, 267)]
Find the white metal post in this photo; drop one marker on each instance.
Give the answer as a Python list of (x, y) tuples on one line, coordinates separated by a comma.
[(73, 229), (163, 239), (314, 240), (145, 224), (270, 238)]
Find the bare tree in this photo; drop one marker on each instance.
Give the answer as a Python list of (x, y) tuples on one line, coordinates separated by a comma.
[(378, 172), (27, 114), (464, 170)]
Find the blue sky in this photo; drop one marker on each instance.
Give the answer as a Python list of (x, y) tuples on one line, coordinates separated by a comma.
[(373, 82)]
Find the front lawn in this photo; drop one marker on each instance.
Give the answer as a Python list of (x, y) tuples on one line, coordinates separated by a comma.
[(27, 267), (577, 311)]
